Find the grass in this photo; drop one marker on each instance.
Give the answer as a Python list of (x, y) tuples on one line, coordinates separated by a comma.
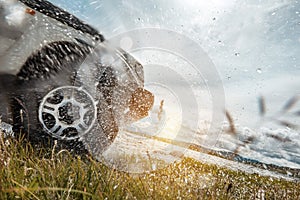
[(27, 173)]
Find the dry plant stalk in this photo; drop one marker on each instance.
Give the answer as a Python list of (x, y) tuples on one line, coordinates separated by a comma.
[(288, 106)]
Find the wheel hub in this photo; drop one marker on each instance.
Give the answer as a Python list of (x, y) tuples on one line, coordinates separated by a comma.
[(69, 113)]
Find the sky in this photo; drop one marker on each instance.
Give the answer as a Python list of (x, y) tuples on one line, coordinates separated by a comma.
[(254, 45)]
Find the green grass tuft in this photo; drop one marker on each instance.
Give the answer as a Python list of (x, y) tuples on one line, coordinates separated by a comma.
[(26, 173)]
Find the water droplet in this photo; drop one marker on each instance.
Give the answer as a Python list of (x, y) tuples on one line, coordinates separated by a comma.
[(258, 70), (153, 167), (126, 43)]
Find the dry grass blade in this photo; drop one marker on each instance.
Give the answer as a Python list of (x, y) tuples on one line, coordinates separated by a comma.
[(243, 144), (249, 140), (287, 124), (262, 105), (290, 103), (54, 189), (231, 123), (280, 139), (159, 114), (4, 152), (236, 151), (25, 189)]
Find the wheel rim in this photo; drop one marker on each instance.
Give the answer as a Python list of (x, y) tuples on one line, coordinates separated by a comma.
[(67, 112)]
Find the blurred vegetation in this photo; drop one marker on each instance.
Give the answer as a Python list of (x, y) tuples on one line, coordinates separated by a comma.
[(28, 173)]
